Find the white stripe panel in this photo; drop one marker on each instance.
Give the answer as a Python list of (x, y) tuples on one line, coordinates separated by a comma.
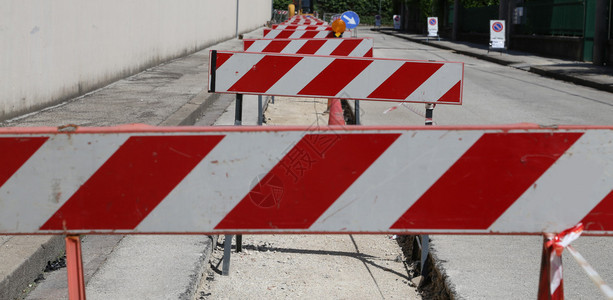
[(219, 182), (370, 79), (293, 46), (372, 203), (321, 35), (258, 46), (579, 180), (362, 48), (234, 69), (296, 34), (299, 76), (438, 84), (60, 165), (272, 34), (329, 46)]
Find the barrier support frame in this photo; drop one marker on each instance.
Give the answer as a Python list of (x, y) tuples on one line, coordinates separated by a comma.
[(74, 268)]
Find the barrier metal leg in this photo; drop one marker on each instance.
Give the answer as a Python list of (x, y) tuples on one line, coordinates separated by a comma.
[(74, 268), (238, 112), (238, 120), (425, 248), (357, 112), (545, 292), (429, 113), (239, 242), (260, 110), (227, 248), (425, 239)]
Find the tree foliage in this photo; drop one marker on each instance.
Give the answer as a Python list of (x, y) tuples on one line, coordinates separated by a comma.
[(281, 4), (366, 9)]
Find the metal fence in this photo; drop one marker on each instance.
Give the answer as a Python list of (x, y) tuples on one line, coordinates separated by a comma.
[(540, 17), (553, 17), (477, 19)]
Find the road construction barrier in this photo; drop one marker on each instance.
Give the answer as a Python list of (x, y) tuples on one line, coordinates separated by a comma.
[(309, 22), (356, 47), (336, 77), (296, 34), (57, 181), (301, 27)]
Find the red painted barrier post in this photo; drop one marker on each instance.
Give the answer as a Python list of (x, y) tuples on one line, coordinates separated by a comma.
[(74, 268)]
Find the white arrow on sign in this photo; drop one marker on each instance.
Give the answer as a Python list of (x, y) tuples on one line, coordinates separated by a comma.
[(349, 20)]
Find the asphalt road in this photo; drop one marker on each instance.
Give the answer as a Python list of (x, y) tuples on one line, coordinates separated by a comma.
[(501, 267)]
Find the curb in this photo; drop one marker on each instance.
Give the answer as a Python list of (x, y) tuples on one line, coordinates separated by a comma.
[(200, 268), (25, 257), (535, 70), (575, 80)]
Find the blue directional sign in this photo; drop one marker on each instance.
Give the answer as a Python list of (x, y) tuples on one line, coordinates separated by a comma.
[(351, 19)]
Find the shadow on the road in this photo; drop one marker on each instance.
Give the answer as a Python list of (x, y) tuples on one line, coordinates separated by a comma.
[(364, 258)]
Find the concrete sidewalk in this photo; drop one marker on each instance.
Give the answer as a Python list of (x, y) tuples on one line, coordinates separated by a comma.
[(582, 73)]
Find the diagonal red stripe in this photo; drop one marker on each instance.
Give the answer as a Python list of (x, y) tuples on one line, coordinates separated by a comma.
[(369, 53), (275, 46), (345, 47), (486, 180), (247, 44), (143, 171), (284, 34), (309, 34), (311, 46), (307, 181), (405, 80), (335, 77), (266, 31), (454, 94), (265, 73), (14, 152), (221, 59), (601, 217)]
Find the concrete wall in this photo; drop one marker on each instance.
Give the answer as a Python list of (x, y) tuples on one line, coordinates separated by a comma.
[(51, 51)]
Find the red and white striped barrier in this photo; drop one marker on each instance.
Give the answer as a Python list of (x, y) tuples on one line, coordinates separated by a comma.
[(305, 22), (485, 180), (296, 34), (335, 77), (301, 27), (357, 47)]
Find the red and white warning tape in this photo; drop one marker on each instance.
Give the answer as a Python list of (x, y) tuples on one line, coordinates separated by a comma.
[(562, 241)]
